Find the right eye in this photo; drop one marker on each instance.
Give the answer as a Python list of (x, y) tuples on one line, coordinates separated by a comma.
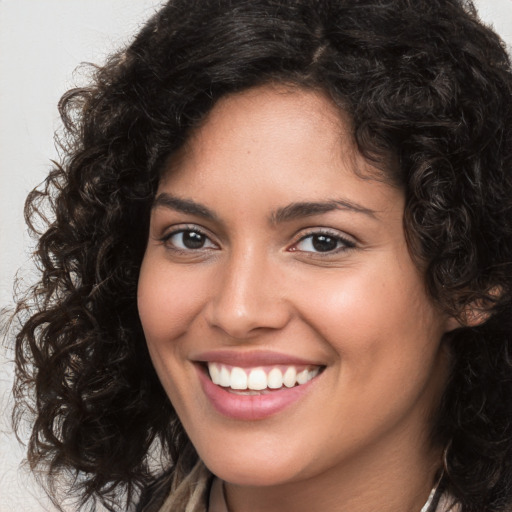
[(188, 240)]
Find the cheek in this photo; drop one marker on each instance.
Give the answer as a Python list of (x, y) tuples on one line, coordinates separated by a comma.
[(168, 300), (385, 349), (374, 318)]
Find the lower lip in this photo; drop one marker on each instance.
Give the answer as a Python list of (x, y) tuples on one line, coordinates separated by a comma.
[(251, 407)]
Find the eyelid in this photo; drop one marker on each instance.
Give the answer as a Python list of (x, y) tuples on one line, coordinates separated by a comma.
[(348, 242), (180, 228)]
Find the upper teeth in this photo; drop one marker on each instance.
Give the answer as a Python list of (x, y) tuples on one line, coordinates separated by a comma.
[(258, 379)]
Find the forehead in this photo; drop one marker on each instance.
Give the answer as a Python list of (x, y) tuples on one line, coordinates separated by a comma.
[(276, 145), (288, 115)]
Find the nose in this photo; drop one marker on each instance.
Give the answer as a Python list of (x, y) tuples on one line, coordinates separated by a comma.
[(249, 297)]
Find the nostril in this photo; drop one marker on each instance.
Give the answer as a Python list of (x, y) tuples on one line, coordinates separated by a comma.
[(245, 321)]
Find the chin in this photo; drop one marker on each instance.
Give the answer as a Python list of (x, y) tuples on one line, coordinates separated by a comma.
[(254, 475), (254, 469)]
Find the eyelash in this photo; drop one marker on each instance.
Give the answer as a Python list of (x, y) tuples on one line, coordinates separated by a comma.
[(342, 243), (166, 239)]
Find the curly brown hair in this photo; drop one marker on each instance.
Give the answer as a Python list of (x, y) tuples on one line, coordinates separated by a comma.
[(423, 81)]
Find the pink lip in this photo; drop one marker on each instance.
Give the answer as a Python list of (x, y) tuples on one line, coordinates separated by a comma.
[(252, 359), (250, 407)]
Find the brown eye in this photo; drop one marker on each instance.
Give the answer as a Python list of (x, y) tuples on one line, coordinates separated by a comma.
[(323, 243), (189, 240), (193, 240)]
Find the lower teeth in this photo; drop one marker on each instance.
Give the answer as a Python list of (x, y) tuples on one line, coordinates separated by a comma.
[(247, 392), (252, 392)]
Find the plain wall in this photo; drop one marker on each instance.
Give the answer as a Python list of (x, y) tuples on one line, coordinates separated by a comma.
[(41, 43)]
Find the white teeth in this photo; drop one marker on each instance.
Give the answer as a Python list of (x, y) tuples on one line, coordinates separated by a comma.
[(302, 377), (238, 379), (214, 373), (313, 373), (290, 377), (257, 379), (225, 377), (275, 378)]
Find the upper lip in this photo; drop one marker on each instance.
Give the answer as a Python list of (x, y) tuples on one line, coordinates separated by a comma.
[(245, 359)]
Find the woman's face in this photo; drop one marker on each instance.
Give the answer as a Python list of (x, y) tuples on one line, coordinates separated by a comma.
[(278, 266)]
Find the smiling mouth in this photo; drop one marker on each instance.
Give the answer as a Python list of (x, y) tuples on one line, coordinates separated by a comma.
[(262, 379)]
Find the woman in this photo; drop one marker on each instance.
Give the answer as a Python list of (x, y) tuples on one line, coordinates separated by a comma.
[(280, 265)]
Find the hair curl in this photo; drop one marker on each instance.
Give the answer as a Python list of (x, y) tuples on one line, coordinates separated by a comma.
[(424, 82)]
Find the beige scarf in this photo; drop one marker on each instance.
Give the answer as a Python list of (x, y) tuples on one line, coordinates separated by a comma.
[(191, 495)]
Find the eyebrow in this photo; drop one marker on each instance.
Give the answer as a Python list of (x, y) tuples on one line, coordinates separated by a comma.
[(307, 209), (285, 214), (183, 205)]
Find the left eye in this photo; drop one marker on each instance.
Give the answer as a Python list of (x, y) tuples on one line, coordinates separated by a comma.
[(322, 242), (188, 239)]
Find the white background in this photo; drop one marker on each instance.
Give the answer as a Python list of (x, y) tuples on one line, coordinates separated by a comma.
[(41, 43)]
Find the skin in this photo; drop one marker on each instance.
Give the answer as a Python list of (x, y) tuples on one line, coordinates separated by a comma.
[(358, 440)]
